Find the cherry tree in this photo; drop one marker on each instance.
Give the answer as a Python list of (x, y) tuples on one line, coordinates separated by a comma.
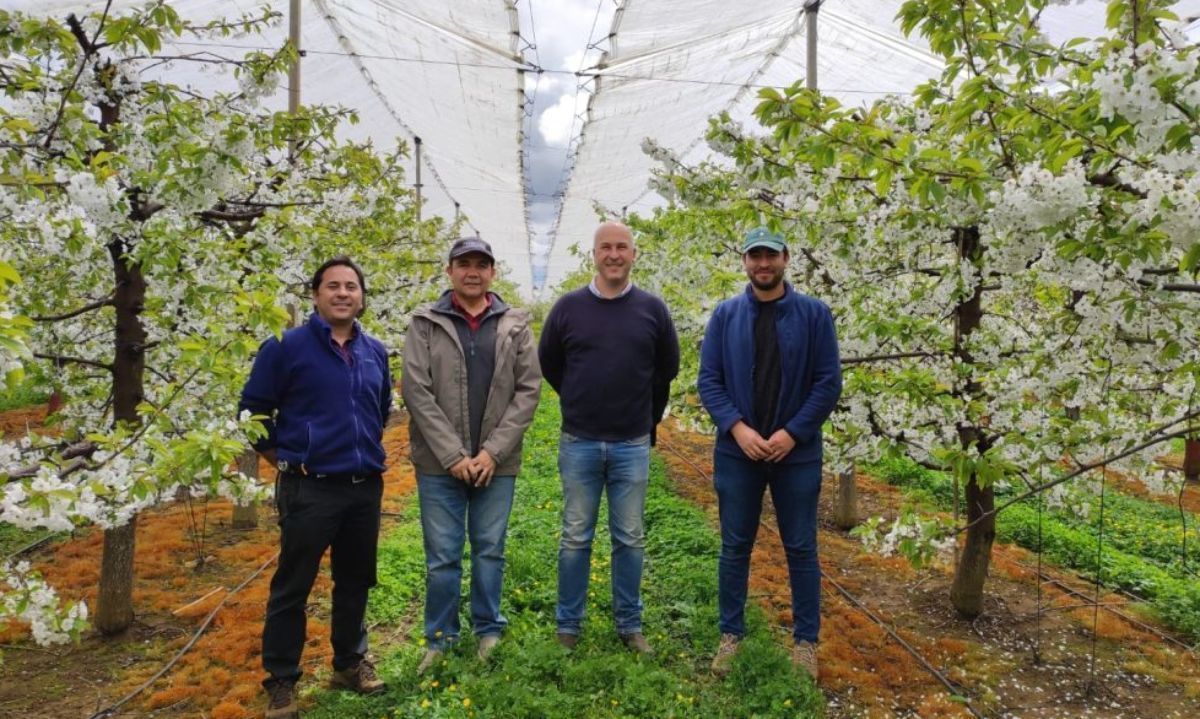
[(159, 232), (1010, 252)]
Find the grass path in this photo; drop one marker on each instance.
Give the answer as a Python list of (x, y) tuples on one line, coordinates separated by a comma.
[(530, 675)]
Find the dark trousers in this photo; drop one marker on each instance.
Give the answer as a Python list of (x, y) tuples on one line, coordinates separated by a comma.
[(314, 515), (795, 488)]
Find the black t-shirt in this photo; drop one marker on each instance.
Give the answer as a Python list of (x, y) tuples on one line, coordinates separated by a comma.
[(766, 369)]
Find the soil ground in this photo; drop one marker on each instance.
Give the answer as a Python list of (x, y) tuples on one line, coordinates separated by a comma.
[(1030, 655)]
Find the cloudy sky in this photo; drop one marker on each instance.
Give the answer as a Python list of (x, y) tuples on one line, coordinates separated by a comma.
[(562, 30)]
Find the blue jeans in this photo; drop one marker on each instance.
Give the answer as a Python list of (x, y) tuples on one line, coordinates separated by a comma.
[(795, 488), (451, 511), (588, 468)]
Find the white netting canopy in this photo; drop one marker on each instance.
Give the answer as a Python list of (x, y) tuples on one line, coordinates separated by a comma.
[(672, 64), (445, 72)]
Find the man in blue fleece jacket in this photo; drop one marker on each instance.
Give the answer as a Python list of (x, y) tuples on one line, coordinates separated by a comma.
[(326, 392), (769, 375)]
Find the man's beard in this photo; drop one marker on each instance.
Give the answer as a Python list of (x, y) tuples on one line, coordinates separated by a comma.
[(769, 284)]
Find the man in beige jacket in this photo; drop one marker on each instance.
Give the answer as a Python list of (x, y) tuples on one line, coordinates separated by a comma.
[(471, 384)]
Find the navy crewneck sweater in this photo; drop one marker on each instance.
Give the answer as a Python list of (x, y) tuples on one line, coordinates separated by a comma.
[(611, 362)]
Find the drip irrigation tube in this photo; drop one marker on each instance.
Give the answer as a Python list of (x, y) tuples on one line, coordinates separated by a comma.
[(954, 689), (107, 712)]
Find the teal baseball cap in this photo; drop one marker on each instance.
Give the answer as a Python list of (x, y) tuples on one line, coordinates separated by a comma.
[(762, 237)]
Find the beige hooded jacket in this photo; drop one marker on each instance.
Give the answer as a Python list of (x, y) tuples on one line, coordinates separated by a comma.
[(434, 388)]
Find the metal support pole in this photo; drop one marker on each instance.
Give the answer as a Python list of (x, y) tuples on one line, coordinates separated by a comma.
[(294, 71), (810, 22), (417, 184)]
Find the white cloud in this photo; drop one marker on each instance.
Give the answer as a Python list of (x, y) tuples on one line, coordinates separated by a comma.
[(557, 121)]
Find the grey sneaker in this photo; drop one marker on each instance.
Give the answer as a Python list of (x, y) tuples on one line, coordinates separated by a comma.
[(804, 656), (568, 640), (636, 642), (432, 656), (723, 660), (281, 701), (360, 678), (487, 645)]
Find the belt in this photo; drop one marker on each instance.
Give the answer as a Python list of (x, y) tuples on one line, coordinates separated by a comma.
[(344, 478)]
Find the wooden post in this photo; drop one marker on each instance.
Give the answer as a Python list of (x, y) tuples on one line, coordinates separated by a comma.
[(845, 511), (245, 516)]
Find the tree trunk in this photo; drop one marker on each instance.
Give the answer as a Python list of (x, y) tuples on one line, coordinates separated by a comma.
[(970, 573), (966, 593), (114, 609), (114, 606), (245, 516), (845, 511), (1191, 460)]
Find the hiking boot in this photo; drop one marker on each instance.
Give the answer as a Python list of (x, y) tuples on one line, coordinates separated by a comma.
[(487, 645), (432, 656), (722, 662), (360, 678), (804, 656), (281, 702), (636, 642), (568, 640)]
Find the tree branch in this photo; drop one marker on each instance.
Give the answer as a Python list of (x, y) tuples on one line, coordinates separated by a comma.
[(106, 302), (63, 359), (881, 358)]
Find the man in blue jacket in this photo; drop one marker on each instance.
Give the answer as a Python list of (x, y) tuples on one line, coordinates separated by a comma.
[(326, 392), (769, 376)]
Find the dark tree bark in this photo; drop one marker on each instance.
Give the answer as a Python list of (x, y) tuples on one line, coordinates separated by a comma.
[(1191, 459), (114, 608), (970, 574)]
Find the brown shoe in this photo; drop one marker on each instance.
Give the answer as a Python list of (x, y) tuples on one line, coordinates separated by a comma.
[(429, 659), (722, 662), (567, 640), (281, 702), (636, 642), (804, 656), (487, 645), (360, 678)]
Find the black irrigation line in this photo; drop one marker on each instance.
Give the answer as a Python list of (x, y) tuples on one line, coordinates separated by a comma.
[(1088, 602), (954, 689), (107, 712)]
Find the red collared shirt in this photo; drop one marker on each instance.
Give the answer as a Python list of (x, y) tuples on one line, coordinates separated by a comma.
[(473, 321)]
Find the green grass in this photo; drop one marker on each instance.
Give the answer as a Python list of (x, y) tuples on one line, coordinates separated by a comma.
[(28, 392), (530, 675)]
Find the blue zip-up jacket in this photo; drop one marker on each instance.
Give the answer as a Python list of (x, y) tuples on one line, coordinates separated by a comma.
[(324, 415), (810, 375)]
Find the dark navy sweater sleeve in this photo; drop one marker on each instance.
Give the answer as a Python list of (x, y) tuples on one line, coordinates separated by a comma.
[(550, 348), (666, 357)]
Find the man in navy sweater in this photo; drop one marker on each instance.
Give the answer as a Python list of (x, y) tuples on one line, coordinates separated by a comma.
[(610, 351), (769, 376), (326, 392)]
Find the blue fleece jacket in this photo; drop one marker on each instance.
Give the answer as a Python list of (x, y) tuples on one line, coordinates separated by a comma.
[(811, 376), (325, 413)]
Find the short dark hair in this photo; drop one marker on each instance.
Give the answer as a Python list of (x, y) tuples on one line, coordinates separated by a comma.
[(341, 261)]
